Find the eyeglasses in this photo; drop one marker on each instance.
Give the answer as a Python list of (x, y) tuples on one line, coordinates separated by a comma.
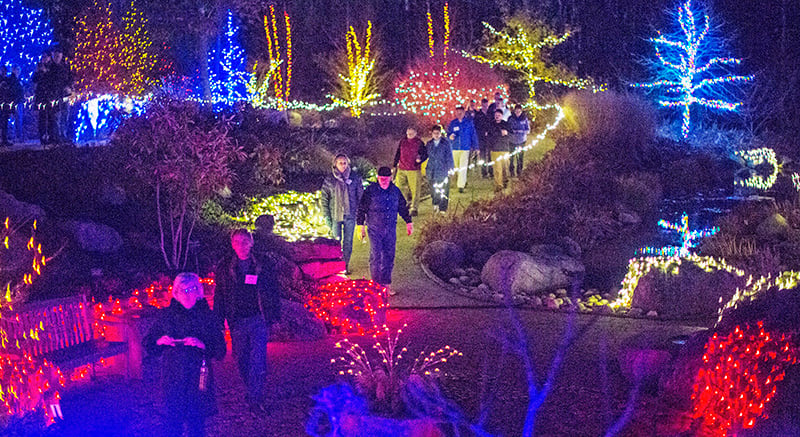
[(191, 289)]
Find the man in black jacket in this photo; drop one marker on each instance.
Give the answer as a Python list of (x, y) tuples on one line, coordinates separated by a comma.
[(379, 207), (247, 296), (497, 141), (6, 103)]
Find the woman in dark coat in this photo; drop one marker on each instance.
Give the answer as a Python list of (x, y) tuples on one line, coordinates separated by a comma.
[(187, 335)]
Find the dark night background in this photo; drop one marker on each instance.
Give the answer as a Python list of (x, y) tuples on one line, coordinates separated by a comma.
[(610, 41)]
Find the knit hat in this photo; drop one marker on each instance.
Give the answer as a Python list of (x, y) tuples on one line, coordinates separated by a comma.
[(384, 171)]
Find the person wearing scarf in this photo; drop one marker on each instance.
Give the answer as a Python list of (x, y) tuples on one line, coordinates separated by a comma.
[(339, 197)]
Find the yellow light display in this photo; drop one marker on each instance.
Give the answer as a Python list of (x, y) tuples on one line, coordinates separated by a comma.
[(522, 50), (359, 87), (282, 76), (755, 158)]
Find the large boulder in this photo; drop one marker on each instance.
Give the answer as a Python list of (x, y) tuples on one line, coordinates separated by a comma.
[(547, 269), (17, 210), (297, 324), (95, 237), (442, 258), (773, 227)]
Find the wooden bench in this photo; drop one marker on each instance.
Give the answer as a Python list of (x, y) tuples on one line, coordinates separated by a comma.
[(58, 330)]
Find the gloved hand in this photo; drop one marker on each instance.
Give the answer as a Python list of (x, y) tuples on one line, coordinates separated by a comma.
[(409, 228)]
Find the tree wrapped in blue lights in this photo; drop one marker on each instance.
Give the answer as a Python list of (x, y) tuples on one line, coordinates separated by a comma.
[(24, 34), (228, 75), (689, 68)]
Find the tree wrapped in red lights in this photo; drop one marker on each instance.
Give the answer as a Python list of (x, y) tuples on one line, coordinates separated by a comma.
[(357, 306), (737, 378), (432, 88)]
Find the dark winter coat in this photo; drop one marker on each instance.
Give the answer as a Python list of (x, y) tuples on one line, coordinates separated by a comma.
[(408, 152), (379, 208), (519, 129), (235, 300), (481, 121), (495, 141), (61, 79), (331, 196), (464, 130), (180, 365), (44, 86), (17, 91), (440, 160), (5, 92)]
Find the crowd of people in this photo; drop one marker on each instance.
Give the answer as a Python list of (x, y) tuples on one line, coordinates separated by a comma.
[(52, 84)]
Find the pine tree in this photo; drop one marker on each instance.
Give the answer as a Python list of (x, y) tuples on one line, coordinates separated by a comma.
[(228, 74), (24, 34), (687, 67), (138, 57)]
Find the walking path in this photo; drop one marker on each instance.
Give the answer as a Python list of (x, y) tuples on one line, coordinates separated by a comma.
[(590, 391)]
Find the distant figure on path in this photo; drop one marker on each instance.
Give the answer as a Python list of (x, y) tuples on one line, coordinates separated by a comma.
[(187, 335), (520, 127), (497, 141), (411, 153), (440, 163), (248, 298), (341, 191), (379, 207), (464, 141), (6, 102)]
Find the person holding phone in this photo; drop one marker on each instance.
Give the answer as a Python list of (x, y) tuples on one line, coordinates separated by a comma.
[(187, 336)]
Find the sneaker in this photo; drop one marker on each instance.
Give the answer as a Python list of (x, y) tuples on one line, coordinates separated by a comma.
[(435, 208), (391, 291), (413, 213), (460, 190)]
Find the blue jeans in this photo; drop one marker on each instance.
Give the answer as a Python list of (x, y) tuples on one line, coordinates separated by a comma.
[(344, 231), (249, 343), (381, 255)]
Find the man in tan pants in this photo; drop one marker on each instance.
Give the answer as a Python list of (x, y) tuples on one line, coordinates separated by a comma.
[(497, 141), (411, 153)]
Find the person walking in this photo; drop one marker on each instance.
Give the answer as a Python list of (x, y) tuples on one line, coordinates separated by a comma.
[(43, 99), (518, 136), (341, 191), (378, 209), (61, 77), (440, 163), (248, 297), (6, 103), (499, 103), (18, 96), (497, 141), (464, 140), (481, 120), (187, 335), (411, 153)]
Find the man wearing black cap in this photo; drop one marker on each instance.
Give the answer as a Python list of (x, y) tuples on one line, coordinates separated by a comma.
[(379, 207)]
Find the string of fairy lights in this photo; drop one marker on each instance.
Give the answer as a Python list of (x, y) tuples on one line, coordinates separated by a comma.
[(754, 158), (689, 238)]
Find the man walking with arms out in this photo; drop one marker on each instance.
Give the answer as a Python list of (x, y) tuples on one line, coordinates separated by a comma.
[(379, 207)]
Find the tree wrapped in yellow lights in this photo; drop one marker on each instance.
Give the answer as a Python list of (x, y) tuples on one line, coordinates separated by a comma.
[(357, 81), (523, 46), (21, 261), (137, 56)]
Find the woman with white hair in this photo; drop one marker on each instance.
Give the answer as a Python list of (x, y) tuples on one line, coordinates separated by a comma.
[(187, 335)]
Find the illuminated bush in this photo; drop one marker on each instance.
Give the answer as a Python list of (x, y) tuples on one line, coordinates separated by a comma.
[(432, 89), (21, 260), (297, 215), (357, 306)]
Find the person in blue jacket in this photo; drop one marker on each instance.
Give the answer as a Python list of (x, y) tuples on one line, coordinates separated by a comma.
[(378, 208), (464, 139), (520, 127), (440, 163)]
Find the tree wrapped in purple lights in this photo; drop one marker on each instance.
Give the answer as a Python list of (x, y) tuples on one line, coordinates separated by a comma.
[(689, 68)]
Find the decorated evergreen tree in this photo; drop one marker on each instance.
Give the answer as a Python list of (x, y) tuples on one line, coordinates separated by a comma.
[(24, 34), (228, 73), (356, 81), (138, 57), (688, 68)]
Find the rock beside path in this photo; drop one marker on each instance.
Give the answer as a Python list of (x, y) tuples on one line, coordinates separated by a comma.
[(443, 258), (548, 268)]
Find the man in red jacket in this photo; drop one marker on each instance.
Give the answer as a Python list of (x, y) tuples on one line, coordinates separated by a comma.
[(411, 153)]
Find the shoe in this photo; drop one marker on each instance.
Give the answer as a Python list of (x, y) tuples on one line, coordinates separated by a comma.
[(347, 272), (390, 291), (413, 213), (435, 208), (460, 190)]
